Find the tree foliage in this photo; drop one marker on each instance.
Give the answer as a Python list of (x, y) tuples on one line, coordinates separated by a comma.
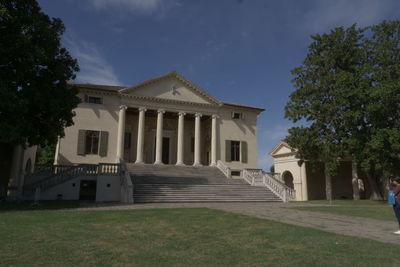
[(348, 96), (36, 101)]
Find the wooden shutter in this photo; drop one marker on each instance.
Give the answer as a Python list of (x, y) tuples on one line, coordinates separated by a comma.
[(228, 156), (81, 142), (103, 144), (243, 151)]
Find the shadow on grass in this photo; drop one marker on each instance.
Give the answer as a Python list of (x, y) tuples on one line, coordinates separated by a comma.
[(42, 205), (364, 202)]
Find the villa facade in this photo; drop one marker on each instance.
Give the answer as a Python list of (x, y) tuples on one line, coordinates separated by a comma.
[(164, 120)]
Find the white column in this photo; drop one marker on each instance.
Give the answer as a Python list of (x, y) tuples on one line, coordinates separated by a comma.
[(140, 136), (121, 132), (16, 173), (304, 181), (354, 181), (159, 138), (214, 140), (197, 140), (181, 132), (57, 154)]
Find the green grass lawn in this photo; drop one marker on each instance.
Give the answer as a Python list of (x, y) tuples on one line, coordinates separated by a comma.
[(178, 237), (379, 210)]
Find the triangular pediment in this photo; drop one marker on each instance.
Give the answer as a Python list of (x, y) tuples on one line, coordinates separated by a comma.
[(171, 86), (282, 148)]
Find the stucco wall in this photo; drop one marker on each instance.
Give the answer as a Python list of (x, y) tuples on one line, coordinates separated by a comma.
[(108, 188), (244, 129), (97, 117), (290, 164), (104, 117), (67, 191)]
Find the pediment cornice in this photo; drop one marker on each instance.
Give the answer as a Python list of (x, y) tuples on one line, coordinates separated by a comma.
[(173, 74)]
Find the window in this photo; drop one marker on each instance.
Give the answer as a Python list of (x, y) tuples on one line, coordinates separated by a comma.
[(93, 99), (235, 150), (236, 115), (92, 142), (235, 173)]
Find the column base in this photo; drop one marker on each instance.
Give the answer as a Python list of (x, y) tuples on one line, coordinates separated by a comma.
[(213, 165), (197, 164), (157, 162), (139, 162), (180, 164)]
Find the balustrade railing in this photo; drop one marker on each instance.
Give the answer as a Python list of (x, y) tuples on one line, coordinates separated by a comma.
[(259, 177), (225, 169), (46, 176), (110, 168)]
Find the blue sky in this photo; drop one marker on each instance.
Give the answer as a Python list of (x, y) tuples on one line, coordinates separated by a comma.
[(237, 50)]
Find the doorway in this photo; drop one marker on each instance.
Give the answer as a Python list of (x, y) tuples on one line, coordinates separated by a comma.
[(87, 190), (165, 150)]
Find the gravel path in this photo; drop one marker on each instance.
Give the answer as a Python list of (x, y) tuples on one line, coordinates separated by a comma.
[(353, 226)]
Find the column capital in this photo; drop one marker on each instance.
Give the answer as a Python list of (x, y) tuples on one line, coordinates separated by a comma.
[(198, 115), (142, 109), (124, 107), (181, 113), (215, 116), (161, 111)]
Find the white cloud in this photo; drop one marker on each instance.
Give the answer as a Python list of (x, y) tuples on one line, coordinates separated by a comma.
[(94, 68), (137, 6), (328, 14)]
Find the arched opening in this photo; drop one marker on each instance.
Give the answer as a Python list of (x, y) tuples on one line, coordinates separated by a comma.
[(288, 179), (28, 167)]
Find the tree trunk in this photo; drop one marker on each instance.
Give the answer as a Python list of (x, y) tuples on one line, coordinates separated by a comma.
[(328, 185), (354, 181), (375, 193)]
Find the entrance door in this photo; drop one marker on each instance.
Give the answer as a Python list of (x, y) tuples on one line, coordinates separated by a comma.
[(165, 150), (87, 190)]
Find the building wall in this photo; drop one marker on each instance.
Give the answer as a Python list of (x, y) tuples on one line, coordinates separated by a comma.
[(108, 188), (65, 191), (289, 163), (244, 129), (98, 117), (104, 117)]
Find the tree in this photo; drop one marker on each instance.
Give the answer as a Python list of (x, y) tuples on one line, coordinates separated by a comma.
[(36, 101), (347, 92)]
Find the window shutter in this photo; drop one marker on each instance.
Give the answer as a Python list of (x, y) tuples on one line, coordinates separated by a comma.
[(81, 142), (243, 151), (228, 156), (103, 144)]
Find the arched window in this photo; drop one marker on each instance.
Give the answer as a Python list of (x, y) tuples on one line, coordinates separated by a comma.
[(288, 179)]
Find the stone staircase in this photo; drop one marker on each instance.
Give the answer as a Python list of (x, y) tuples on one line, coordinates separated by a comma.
[(168, 183)]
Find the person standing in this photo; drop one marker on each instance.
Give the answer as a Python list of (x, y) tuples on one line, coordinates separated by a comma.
[(395, 186)]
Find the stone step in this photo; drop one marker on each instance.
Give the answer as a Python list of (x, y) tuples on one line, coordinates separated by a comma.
[(200, 200), (166, 183)]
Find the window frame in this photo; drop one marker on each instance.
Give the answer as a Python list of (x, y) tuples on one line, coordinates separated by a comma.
[(91, 148), (235, 151), (93, 100), (238, 117)]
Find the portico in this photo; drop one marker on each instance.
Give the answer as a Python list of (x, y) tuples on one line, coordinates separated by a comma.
[(162, 136)]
